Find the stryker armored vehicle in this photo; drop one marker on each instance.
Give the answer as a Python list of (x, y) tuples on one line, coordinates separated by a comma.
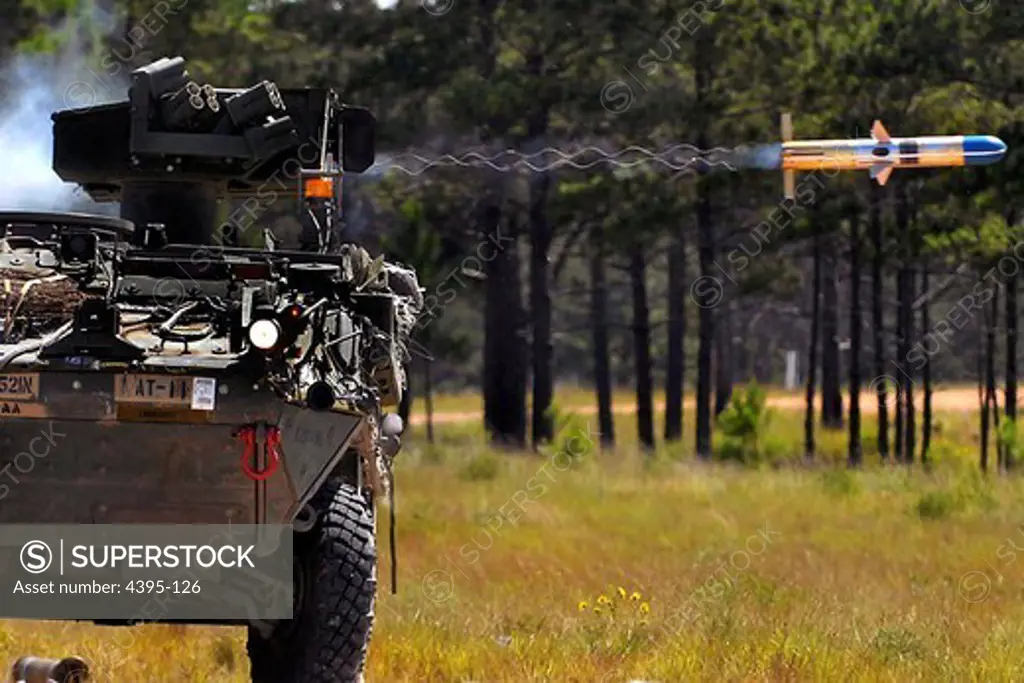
[(196, 381)]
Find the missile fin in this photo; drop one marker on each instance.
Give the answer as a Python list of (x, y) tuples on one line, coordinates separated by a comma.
[(787, 126), (881, 174), (789, 184), (878, 132)]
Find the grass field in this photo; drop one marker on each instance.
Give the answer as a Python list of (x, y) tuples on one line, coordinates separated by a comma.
[(775, 574)]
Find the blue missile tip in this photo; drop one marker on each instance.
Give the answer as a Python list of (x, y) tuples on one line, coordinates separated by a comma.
[(983, 149)]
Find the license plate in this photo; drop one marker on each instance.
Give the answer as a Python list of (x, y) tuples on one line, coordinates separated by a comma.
[(198, 393), (19, 387), (162, 389)]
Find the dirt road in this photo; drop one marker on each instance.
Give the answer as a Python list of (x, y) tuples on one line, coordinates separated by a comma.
[(955, 399)]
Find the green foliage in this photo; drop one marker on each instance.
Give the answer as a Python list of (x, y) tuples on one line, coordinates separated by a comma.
[(841, 482), (742, 425), (46, 42), (433, 454), (575, 435), (1010, 439), (484, 466), (939, 504), (898, 644), (969, 490)]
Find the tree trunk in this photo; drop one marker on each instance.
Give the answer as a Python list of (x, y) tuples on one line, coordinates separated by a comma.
[(926, 374), (642, 347), (831, 391), (703, 74), (908, 382), (902, 303), (812, 351), (504, 343), (706, 323), (599, 330), (990, 373), (878, 318), (675, 378), (983, 401), (723, 359), (914, 240), (1011, 350), (504, 372), (428, 396), (540, 310), (854, 454), (743, 362), (764, 364), (897, 440)]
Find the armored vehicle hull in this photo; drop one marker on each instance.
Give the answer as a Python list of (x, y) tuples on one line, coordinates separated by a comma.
[(117, 448), (152, 374)]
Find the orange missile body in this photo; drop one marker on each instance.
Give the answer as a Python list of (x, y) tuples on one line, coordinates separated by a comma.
[(881, 154)]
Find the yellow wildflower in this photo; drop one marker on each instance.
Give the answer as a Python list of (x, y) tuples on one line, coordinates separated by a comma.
[(603, 600), (645, 608), (635, 597), (597, 610), (622, 592), (582, 606)]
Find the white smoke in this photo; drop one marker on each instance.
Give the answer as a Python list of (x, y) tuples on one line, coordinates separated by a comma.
[(32, 87)]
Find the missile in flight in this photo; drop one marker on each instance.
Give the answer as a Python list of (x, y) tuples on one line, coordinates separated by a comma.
[(880, 153)]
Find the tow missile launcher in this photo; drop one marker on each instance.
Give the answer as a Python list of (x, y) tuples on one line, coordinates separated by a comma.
[(257, 379)]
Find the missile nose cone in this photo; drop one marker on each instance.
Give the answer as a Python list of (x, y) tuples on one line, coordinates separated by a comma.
[(983, 149)]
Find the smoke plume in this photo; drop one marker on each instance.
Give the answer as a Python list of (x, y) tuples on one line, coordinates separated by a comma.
[(32, 87)]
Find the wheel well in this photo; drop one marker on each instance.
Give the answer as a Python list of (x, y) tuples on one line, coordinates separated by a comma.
[(348, 468)]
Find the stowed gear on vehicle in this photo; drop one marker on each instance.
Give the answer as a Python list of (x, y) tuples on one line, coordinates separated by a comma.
[(207, 384)]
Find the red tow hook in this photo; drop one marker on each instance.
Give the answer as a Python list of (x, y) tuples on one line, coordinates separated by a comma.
[(273, 450)]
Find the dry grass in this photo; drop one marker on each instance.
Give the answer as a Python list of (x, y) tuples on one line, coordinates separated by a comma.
[(771, 575), (468, 406)]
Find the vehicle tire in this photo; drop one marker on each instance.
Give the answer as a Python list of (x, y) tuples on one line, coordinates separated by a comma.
[(335, 588)]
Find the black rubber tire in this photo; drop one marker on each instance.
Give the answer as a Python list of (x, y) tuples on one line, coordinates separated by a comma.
[(327, 640)]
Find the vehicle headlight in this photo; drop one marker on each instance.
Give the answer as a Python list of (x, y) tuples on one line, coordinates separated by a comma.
[(264, 334)]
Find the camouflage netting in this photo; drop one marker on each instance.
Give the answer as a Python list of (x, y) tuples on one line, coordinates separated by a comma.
[(403, 281), (48, 302)]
